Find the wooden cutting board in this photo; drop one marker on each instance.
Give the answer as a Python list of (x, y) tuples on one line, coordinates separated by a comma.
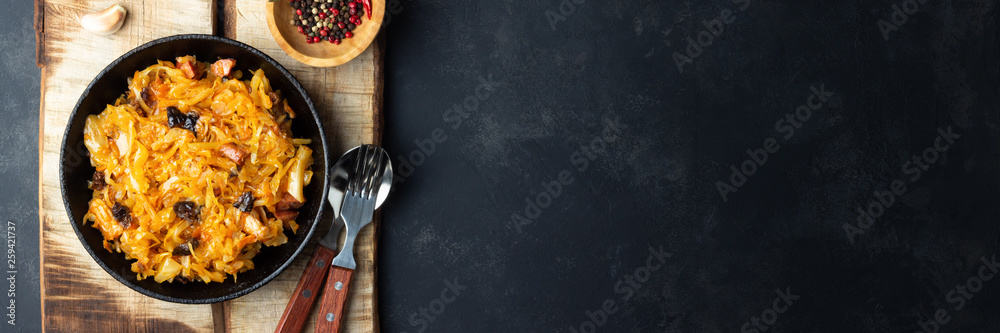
[(77, 295)]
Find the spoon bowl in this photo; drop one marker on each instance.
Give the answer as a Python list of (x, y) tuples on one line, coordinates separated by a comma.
[(343, 170)]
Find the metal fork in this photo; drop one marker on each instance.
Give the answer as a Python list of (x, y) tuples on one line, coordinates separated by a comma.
[(359, 206), (359, 200)]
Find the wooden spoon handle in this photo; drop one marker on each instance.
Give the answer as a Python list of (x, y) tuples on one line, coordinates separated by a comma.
[(331, 308), (306, 292)]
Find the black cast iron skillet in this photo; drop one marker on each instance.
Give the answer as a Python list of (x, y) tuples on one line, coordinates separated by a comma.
[(75, 168)]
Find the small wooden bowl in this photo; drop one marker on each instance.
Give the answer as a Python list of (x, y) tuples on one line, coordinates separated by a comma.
[(324, 53)]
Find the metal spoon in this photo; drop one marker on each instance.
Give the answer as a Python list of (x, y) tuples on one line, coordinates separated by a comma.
[(310, 284), (341, 172), (359, 206)]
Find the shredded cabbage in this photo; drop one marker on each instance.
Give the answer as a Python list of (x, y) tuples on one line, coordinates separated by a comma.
[(150, 167)]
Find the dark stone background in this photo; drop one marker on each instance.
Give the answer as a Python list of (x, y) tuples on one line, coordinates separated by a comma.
[(653, 184), (19, 80), (656, 185)]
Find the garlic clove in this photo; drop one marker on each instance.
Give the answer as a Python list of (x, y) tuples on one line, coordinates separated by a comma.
[(104, 22)]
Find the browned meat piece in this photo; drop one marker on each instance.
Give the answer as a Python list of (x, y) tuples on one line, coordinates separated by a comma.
[(275, 98), (287, 202), (286, 215), (187, 69), (222, 67), (192, 68), (233, 152)]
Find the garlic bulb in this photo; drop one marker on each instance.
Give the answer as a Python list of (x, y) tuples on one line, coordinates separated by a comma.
[(104, 22)]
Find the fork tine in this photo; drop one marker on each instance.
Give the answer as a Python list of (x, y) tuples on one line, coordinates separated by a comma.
[(370, 172), (376, 171), (379, 172), (363, 175), (352, 187)]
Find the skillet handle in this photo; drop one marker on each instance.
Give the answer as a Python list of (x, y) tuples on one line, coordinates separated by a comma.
[(306, 292), (331, 308)]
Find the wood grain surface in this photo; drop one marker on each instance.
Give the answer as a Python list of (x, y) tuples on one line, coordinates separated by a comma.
[(78, 296), (347, 98)]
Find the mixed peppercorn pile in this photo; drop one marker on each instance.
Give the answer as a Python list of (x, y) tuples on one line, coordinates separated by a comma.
[(329, 20)]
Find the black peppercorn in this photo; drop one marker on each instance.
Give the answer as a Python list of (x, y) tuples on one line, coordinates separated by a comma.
[(328, 20)]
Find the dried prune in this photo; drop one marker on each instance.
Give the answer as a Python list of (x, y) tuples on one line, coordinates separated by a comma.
[(182, 250), (245, 202), (175, 118), (122, 214), (186, 210), (192, 120), (98, 183), (146, 95)]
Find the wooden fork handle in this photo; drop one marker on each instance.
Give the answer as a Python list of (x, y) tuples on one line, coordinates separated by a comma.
[(306, 292), (331, 308)]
